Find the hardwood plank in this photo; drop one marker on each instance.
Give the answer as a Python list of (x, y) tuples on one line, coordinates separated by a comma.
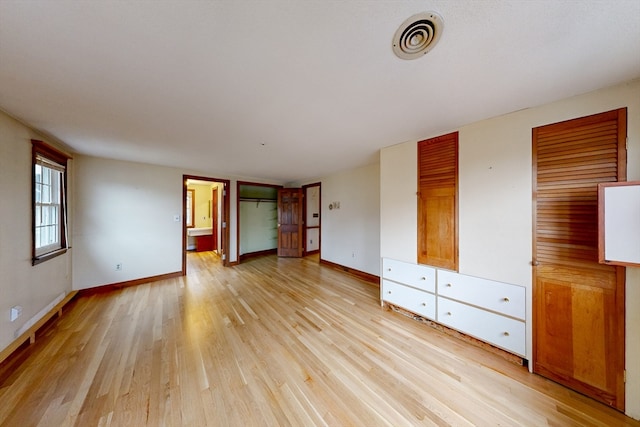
[(269, 342)]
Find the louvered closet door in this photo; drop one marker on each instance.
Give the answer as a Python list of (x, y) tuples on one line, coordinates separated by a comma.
[(578, 303), (437, 201)]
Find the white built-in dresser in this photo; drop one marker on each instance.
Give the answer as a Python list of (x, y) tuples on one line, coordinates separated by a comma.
[(491, 311)]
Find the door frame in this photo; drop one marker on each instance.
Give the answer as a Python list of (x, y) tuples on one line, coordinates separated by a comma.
[(224, 244)]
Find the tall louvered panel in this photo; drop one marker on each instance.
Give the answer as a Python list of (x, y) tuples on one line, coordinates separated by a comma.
[(437, 201), (578, 304), (569, 167)]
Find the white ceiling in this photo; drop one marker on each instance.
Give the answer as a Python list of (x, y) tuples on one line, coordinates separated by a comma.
[(204, 84)]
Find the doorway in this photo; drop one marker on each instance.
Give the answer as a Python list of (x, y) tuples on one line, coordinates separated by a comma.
[(205, 217), (257, 219)]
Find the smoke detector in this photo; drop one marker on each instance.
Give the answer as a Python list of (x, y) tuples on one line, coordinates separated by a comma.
[(417, 35)]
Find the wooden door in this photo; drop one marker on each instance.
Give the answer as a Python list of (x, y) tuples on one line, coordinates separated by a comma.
[(290, 243), (578, 303), (438, 201), (214, 217)]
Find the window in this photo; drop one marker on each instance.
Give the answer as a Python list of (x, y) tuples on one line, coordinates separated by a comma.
[(49, 202), (189, 215)]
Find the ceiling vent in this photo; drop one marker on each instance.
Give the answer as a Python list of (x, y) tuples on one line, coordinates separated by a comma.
[(417, 35)]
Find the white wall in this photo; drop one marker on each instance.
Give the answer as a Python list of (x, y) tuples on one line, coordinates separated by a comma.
[(350, 235), (399, 202), (125, 213), (495, 197), (31, 287)]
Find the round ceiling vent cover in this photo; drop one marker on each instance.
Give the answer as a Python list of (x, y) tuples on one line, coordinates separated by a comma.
[(417, 35)]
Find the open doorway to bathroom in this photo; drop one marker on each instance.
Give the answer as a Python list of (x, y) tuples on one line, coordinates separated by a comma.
[(205, 218)]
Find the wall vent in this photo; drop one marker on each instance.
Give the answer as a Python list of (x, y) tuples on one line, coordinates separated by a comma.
[(417, 35)]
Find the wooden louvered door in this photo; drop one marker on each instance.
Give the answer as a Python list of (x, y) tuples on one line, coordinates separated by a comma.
[(437, 201), (578, 304)]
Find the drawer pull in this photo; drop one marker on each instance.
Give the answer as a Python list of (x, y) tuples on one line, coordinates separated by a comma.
[(448, 285), (388, 292), (389, 269), (506, 334), (448, 313), (505, 299), (423, 278), (424, 304)]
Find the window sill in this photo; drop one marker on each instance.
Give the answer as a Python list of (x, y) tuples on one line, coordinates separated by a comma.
[(46, 257)]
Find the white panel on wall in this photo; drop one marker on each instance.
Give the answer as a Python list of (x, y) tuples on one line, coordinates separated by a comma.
[(619, 204), (399, 203), (494, 194)]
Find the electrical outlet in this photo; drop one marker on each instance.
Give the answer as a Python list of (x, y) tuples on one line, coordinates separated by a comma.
[(15, 312), (119, 266)]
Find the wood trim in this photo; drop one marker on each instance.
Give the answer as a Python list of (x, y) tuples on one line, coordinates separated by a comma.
[(49, 255), (257, 254), (135, 282), (367, 277), (30, 334), (50, 151)]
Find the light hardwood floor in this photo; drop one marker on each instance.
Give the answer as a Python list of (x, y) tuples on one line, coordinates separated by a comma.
[(271, 342)]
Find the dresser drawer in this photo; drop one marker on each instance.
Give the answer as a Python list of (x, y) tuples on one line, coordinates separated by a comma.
[(414, 300), (498, 330), (418, 276), (495, 296)]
